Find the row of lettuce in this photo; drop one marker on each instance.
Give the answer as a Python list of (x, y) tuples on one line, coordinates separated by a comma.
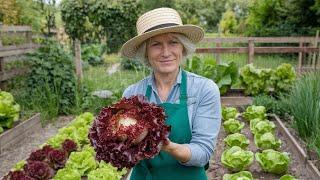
[(66, 156), (9, 111), (238, 159), (253, 80)]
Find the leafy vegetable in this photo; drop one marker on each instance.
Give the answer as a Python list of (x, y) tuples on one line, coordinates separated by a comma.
[(83, 162), (76, 131), (67, 174), (9, 110), (267, 141), (287, 177), (19, 175), (283, 78), (237, 139), (255, 81), (254, 122), (106, 171), (38, 170), (57, 158), (263, 127), (253, 112), (19, 165), (128, 131), (233, 126), (242, 175), (226, 75), (229, 113), (273, 161), (68, 145), (236, 159)]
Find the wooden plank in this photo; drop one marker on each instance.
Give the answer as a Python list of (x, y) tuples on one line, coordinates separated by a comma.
[(311, 169), (260, 50), (236, 101), (14, 47), (223, 50), (15, 52), (4, 28), (259, 40), (251, 51), (21, 131), (12, 73)]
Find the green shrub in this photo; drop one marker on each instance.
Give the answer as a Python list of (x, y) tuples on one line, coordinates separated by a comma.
[(53, 72)]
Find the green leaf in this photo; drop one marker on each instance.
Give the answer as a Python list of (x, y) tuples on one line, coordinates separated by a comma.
[(242, 175), (236, 159), (273, 161)]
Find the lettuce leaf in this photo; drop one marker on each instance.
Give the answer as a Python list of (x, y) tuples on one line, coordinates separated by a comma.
[(242, 175), (273, 161), (236, 159), (237, 139)]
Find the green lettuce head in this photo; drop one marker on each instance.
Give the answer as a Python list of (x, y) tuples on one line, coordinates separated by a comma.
[(242, 175), (236, 159), (263, 127), (237, 139), (253, 112), (273, 161), (233, 126), (267, 141), (229, 113)]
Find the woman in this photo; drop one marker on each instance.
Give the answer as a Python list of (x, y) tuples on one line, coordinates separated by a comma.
[(191, 102)]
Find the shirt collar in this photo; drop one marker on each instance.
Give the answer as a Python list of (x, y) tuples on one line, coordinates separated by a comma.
[(151, 80)]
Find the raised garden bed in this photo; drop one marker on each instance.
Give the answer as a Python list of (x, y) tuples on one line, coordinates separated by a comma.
[(235, 97), (300, 166), (19, 132)]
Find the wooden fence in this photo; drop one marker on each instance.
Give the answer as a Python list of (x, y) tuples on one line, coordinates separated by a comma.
[(11, 52), (299, 45)]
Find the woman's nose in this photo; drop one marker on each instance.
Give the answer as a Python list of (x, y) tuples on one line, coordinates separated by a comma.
[(166, 50)]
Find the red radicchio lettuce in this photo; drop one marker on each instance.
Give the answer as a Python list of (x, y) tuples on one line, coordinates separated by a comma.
[(69, 146), (38, 170), (17, 175), (57, 158), (47, 149), (128, 131), (38, 155)]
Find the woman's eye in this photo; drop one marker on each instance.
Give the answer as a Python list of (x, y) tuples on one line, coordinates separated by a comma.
[(154, 44), (174, 42)]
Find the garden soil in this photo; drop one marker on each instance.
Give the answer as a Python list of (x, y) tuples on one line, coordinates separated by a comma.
[(20, 151), (217, 170)]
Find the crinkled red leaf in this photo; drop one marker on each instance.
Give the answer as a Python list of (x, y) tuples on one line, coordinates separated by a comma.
[(38, 155), (17, 175), (69, 146), (38, 170), (125, 146), (57, 158)]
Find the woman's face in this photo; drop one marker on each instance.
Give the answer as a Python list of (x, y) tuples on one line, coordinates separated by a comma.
[(164, 53)]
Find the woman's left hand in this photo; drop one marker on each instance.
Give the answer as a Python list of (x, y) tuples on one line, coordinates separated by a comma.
[(180, 152)]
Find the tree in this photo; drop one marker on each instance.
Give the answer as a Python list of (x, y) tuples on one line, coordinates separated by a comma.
[(228, 23), (282, 18)]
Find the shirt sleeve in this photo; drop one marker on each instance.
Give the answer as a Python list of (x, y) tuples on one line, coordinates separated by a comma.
[(205, 126)]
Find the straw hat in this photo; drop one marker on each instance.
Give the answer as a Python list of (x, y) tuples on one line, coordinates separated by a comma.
[(159, 21)]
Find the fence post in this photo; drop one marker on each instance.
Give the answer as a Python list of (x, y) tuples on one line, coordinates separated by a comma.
[(251, 51), (300, 59), (29, 36), (315, 54), (77, 48), (218, 44)]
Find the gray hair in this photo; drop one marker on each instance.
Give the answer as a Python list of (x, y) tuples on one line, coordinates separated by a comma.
[(188, 48)]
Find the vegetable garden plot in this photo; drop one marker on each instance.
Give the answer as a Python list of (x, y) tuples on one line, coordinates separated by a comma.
[(249, 161)]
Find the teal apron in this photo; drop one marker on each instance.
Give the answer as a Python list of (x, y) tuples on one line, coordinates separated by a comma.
[(164, 166)]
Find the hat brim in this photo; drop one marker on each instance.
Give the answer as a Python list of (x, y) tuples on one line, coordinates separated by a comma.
[(194, 33)]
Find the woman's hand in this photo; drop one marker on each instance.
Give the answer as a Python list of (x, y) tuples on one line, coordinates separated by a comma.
[(180, 152)]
